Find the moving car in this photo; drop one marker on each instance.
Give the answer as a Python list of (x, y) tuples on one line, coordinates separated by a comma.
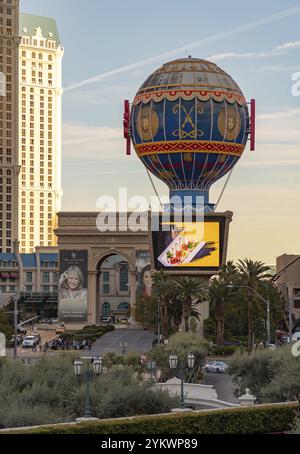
[(29, 341), (218, 367), (21, 330), (60, 329)]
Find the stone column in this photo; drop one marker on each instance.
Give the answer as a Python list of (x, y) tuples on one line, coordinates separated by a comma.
[(92, 297), (132, 286)]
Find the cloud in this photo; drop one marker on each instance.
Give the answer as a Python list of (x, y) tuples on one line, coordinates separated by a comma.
[(291, 113), (275, 69), (281, 49), (187, 47), (80, 140), (103, 94)]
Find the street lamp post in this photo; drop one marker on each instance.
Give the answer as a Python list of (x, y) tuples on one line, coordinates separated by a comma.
[(82, 369), (174, 365), (16, 299), (124, 347), (158, 321), (267, 303), (151, 365)]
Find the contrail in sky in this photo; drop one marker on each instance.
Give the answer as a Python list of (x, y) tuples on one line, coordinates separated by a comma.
[(182, 49)]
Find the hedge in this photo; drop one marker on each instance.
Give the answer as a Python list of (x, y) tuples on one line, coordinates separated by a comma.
[(262, 419), (226, 350), (91, 332)]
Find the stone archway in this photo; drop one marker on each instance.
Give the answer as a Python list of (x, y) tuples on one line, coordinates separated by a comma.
[(107, 285)]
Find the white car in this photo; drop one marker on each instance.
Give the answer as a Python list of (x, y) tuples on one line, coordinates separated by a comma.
[(29, 341), (296, 336), (218, 367)]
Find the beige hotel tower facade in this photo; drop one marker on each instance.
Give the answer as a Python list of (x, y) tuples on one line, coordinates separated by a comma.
[(30, 129), (40, 92)]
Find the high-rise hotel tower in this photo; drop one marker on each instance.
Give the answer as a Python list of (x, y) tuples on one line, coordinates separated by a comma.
[(9, 119), (30, 129), (40, 92)]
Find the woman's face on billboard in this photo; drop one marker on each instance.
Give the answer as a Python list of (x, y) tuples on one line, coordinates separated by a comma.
[(147, 279), (73, 281)]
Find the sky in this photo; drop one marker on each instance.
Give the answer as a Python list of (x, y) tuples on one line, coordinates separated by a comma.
[(110, 49)]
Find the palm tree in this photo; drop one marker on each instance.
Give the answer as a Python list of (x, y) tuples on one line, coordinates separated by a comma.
[(220, 294), (190, 291), (176, 312), (251, 274), (163, 291)]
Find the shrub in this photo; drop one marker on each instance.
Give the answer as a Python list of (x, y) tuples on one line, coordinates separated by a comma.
[(225, 350), (181, 344), (272, 376), (244, 420), (48, 391)]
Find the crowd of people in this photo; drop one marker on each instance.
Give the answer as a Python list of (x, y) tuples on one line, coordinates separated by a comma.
[(63, 344)]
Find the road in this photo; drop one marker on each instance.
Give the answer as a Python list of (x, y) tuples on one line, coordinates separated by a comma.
[(137, 339), (223, 385)]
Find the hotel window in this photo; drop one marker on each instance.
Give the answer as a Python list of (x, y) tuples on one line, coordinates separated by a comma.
[(123, 279), (105, 289)]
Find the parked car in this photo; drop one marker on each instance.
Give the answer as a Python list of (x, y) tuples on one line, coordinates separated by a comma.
[(44, 321), (106, 320), (296, 336), (29, 341), (218, 367), (37, 336), (155, 341), (124, 321), (232, 343)]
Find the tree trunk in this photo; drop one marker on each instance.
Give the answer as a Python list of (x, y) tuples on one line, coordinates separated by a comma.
[(223, 324), (186, 311), (220, 315), (219, 333), (176, 323), (164, 319), (250, 323), (186, 324)]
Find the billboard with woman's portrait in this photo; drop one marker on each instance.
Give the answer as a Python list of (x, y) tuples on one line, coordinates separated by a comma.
[(72, 288), (143, 273)]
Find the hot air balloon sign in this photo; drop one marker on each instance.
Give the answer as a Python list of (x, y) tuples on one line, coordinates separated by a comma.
[(189, 125)]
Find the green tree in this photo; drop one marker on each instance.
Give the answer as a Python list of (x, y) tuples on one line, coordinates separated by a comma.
[(146, 312), (163, 290), (176, 312), (5, 326), (181, 344), (191, 291), (220, 295), (251, 274)]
